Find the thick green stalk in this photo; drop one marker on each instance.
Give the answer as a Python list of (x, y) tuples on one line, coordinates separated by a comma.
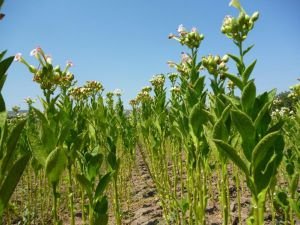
[(224, 190)]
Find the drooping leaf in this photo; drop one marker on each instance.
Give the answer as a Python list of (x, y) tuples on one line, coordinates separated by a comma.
[(232, 154), (245, 127), (55, 165), (263, 146), (85, 184)]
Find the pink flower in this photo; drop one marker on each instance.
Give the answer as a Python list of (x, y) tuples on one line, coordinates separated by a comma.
[(35, 51), (69, 63), (18, 57)]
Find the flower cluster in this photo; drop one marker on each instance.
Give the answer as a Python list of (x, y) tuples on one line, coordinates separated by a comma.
[(295, 92), (47, 76), (238, 28), (29, 101), (191, 39), (144, 95), (282, 112), (184, 66), (173, 78), (158, 81), (175, 90), (91, 88), (215, 65)]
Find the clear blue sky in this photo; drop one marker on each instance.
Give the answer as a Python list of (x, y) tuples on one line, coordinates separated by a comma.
[(124, 43)]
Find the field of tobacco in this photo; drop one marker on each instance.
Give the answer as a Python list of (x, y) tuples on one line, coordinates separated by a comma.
[(207, 150)]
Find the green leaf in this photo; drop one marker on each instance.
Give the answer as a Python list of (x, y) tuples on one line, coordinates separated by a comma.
[(85, 184), (248, 96), (232, 154), (101, 207), (248, 72), (245, 127), (11, 145), (220, 130), (236, 59), (236, 80), (11, 181), (261, 114), (93, 166), (3, 116), (5, 64), (197, 118), (247, 50), (3, 52), (2, 81), (263, 146), (103, 182), (55, 165)]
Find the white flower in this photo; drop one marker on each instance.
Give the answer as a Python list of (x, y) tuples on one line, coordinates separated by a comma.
[(118, 92), (48, 59), (181, 29), (18, 57)]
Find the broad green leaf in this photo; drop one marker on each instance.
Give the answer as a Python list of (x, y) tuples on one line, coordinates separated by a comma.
[(11, 181), (236, 80), (245, 127), (248, 96), (85, 184), (101, 207), (232, 154), (93, 166), (265, 172), (246, 74), (103, 182), (197, 118), (236, 59), (55, 165), (39, 152), (263, 146), (261, 115), (220, 130)]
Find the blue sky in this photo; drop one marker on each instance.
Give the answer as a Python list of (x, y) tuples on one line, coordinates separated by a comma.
[(123, 44)]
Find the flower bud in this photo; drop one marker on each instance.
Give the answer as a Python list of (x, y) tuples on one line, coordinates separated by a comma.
[(225, 58), (255, 16)]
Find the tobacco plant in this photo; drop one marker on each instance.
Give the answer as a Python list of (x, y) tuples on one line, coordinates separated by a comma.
[(260, 141)]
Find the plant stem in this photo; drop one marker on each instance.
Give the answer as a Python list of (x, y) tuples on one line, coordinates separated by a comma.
[(71, 201), (55, 217)]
